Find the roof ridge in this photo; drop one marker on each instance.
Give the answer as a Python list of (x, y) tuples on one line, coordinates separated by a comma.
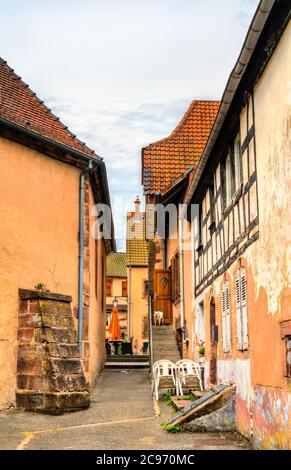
[(45, 108)]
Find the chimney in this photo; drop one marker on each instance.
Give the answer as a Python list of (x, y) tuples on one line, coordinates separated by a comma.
[(137, 207)]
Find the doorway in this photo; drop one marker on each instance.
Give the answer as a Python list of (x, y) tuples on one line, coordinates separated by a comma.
[(162, 294)]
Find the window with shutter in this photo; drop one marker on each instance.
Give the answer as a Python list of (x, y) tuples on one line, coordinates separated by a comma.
[(241, 311), (124, 289), (226, 324), (109, 287)]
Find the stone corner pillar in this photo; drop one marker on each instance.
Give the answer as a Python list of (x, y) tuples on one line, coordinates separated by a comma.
[(50, 376)]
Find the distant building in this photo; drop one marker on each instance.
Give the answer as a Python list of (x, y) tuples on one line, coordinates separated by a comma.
[(117, 289), (137, 274)]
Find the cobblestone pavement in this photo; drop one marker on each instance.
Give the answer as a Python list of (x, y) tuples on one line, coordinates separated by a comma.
[(121, 416)]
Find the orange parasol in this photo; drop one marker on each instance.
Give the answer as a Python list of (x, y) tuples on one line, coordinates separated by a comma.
[(114, 327)]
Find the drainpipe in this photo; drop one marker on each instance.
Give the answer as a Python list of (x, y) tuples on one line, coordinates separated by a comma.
[(181, 265), (81, 254)]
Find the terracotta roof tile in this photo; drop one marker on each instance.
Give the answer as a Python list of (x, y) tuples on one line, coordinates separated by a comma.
[(21, 106), (165, 160), (136, 243), (116, 265)]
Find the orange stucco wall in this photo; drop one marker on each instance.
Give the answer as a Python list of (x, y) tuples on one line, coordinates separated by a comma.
[(97, 312), (138, 306), (39, 215)]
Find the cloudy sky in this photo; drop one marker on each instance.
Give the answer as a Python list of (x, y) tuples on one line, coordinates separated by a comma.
[(121, 73)]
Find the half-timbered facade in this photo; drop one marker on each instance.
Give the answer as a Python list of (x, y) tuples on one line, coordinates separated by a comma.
[(228, 212), (241, 233)]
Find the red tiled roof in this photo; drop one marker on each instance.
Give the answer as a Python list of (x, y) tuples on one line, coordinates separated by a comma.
[(21, 106), (166, 160)]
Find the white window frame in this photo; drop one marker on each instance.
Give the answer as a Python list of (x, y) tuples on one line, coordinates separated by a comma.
[(237, 163), (226, 318), (241, 310)]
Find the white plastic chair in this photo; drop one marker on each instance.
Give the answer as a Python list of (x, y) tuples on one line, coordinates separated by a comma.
[(163, 369), (187, 369)]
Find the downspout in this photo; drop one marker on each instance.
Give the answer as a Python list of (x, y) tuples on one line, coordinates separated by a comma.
[(81, 255), (181, 266)]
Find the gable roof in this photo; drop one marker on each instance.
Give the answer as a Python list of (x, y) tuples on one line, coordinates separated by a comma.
[(167, 159), (116, 265), (136, 243), (20, 105)]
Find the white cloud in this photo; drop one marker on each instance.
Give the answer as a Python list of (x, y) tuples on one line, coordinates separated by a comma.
[(121, 73)]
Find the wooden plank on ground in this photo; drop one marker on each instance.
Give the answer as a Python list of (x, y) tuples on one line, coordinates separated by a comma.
[(212, 401)]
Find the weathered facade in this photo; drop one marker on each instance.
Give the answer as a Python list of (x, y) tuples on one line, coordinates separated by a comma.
[(49, 183), (242, 237), (137, 275)]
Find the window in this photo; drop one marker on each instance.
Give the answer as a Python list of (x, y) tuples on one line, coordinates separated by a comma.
[(237, 163), (200, 230), (212, 210), (200, 322), (108, 287), (241, 310), (228, 181), (145, 288), (226, 319), (288, 356), (175, 268), (124, 289), (108, 317)]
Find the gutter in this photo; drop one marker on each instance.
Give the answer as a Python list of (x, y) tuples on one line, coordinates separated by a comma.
[(46, 140), (234, 80)]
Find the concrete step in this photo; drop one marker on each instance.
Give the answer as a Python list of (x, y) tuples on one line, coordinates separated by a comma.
[(164, 334)]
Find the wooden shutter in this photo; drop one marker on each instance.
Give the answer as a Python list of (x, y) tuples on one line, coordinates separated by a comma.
[(244, 313), (238, 312), (226, 325), (241, 310), (108, 287), (124, 288)]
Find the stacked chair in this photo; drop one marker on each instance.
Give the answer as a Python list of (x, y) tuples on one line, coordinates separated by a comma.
[(185, 373)]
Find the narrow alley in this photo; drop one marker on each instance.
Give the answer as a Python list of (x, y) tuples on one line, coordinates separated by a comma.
[(121, 416)]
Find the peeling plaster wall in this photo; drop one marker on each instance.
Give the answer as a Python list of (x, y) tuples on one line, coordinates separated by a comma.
[(38, 240), (263, 411), (273, 141)]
